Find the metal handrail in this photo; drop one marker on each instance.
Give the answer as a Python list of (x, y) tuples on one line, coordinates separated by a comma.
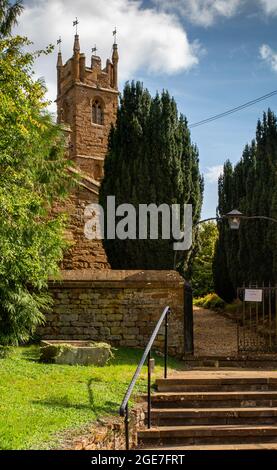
[(124, 409)]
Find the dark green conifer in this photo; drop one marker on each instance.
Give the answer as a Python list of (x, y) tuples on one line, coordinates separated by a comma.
[(150, 160), (249, 255)]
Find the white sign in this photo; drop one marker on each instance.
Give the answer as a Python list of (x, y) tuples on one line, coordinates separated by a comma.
[(253, 295)]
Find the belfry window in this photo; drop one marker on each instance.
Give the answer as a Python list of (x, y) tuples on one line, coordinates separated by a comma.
[(97, 113)]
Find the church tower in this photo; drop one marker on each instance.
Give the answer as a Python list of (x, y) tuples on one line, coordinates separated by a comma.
[(87, 102)]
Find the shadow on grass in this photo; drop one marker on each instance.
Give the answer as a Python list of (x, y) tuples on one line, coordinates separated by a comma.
[(31, 354), (109, 406), (64, 402)]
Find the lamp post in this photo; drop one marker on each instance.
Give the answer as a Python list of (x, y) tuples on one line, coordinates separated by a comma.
[(234, 219)]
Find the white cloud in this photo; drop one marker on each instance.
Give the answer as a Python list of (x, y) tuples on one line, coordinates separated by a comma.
[(212, 173), (201, 12), (149, 39), (270, 6), (269, 56)]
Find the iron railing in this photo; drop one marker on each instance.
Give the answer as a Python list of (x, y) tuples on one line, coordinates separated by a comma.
[(257, 322), (124, 408)]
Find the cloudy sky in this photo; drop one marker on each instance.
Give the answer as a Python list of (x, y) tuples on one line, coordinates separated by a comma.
[(212, 55)]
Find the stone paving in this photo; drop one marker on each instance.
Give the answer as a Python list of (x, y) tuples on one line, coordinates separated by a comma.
[(222, 374), (214, 334)]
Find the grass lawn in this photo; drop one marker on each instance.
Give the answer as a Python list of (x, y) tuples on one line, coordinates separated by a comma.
[(39, 400)]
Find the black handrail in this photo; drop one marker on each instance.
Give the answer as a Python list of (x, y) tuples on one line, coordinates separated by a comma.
[(124, 408)]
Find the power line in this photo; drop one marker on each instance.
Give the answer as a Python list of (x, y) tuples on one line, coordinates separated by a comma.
[(234, 110)]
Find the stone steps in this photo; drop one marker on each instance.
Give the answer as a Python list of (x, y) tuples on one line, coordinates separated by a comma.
[(214, 399), (190, 435), (216, 384), (222, 410), (213, 416), (218, 447), (268, 362)]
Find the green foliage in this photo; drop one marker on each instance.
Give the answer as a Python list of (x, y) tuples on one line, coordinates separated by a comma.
[(250, 254), (150, 160), (210, 301), (40, 401), (5, 352), (33, 175), (202, 265), (21, 312), (9, 13)]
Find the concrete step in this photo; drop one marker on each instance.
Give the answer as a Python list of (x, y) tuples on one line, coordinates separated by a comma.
[(218, 447), (213, 416), (262, 362), (232, 399), (195, 435), (183, 384)]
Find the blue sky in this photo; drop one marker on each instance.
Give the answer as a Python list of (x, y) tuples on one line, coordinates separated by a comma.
[(230, 72), (207, 53)]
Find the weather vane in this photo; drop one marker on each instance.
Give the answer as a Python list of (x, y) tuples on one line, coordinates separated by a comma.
[(75, 23), (59, 43), (114, 35), (94, 50)]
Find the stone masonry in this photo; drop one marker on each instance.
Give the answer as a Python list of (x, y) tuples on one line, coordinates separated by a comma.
[(79, 88), (87, 102), (84, 253), (91, 301), (120, 307)]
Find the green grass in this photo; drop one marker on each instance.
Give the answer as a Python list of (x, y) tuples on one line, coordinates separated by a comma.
[(37, 401)]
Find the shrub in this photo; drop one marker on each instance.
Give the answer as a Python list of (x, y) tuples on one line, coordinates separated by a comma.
[(210, 301), (34, 175)]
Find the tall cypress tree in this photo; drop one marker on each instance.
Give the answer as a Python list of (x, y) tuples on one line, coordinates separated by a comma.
[(250, 254), (150, 160)]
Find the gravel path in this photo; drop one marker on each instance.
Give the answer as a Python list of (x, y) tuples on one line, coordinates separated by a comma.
[(214, 334)]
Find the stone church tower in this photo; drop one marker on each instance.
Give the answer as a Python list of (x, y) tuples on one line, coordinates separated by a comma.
[(87, 102)]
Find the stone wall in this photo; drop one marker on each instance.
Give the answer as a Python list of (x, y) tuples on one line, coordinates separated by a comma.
[(120, 307), (109, 434), (83, 253)]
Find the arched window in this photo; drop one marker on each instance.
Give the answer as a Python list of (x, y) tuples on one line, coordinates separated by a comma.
[(97, 113)]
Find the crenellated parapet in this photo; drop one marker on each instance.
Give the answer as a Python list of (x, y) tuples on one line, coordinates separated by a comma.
[(76, 70), (87, 101)]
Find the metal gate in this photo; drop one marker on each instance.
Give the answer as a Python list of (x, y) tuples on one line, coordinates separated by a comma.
[(257, 319)]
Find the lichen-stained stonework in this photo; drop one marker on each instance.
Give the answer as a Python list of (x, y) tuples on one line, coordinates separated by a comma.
[(87, 104)]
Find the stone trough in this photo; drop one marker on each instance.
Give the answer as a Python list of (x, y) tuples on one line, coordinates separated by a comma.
[(75, 352)]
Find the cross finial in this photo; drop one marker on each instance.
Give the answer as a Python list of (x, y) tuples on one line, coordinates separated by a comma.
[(75, 23), (94, 50), (114, 34), (59, 43)]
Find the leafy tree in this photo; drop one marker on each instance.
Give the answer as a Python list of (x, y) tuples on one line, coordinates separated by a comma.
[(9, 13), (33, 175), (202, 265), (150, 159), (250, 254)]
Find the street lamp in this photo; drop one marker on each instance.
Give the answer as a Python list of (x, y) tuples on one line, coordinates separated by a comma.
[(234, 218)]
